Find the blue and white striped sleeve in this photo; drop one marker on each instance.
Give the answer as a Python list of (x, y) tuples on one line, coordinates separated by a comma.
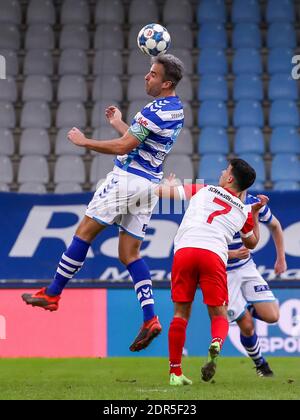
[(265, 215)]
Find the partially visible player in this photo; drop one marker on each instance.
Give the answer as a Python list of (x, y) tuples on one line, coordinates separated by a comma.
[(246, 287), (214, 215), (127, 198)]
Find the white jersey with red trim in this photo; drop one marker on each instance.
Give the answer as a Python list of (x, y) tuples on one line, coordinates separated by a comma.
[(212, 219)]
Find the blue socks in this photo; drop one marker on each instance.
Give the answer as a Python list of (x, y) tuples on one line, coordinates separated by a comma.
[(71, 262), (140, 274), (252, 346)]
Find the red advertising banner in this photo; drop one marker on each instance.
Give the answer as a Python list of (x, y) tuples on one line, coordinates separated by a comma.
[(77, 329)]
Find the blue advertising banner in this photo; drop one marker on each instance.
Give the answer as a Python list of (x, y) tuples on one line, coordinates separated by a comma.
[(280, 339), (36, 229)]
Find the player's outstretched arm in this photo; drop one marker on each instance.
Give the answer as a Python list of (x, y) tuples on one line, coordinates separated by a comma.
[(114, 117), (277, 235), (120, 146), (251, 240), (169, 188), (165, 191)]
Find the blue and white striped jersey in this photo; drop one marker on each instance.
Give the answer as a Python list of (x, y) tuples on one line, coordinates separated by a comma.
[(157, 127), (265, 216)]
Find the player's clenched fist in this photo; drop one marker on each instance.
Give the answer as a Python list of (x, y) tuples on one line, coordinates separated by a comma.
[(113, 113), (77, 137)]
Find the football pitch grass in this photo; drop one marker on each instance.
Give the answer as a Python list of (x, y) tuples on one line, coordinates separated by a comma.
[(143, 379)]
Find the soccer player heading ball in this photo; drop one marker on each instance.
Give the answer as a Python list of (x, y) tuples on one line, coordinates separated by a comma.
[(127, 196)]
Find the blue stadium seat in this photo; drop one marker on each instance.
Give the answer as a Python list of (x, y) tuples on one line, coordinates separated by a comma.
[(283, 86), (213, 114), (212, 61), (280, 11), (212, 87), (246, 35), (257, 187), (281, 35), (247, 61), (279, 167), (211, 167), (285, 140), (249, 140), (280, 60), (284, 113), (212, 35), (247, 86), (246, 11), (213, 140), (286, 186), (211, 11), (257, 162), (248, 113)]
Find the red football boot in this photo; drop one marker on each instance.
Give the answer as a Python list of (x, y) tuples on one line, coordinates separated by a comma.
[(147, 333), (49, 303)]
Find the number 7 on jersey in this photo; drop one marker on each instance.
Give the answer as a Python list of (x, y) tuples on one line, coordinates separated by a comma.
[(226, 209)]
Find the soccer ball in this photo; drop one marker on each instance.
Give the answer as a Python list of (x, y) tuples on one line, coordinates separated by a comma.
[(153, 39)]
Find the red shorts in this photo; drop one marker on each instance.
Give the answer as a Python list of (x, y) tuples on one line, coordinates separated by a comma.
[(193, 267)]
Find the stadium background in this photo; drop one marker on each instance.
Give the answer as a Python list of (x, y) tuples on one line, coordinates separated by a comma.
[(64, 64)]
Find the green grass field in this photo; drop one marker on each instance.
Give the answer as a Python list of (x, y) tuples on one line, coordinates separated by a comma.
[(142, 379)]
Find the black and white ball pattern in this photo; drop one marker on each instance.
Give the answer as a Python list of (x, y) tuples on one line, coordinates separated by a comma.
[(154, 39)]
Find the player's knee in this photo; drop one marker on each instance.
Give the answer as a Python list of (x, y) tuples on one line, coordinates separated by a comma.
[(270, 313), (215, 311), (246, 325), (183, 310), (272, 316)]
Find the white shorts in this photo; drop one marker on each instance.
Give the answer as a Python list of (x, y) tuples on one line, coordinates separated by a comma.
[(125, 200), (246, 286)]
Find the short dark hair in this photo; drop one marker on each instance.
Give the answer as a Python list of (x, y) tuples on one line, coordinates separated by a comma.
[(243, 173), (174, 67)]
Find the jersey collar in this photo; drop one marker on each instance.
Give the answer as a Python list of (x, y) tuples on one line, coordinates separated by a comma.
[(231, 192)]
